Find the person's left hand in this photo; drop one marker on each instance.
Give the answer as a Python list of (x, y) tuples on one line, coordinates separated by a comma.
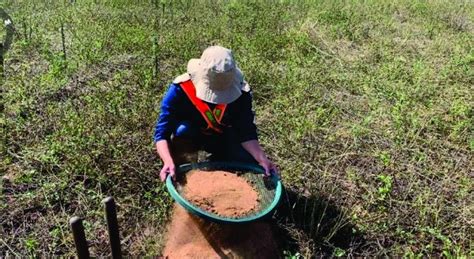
[(268, 165)]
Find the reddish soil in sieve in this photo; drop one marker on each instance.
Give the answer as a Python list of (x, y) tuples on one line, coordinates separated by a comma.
[(219, 192)]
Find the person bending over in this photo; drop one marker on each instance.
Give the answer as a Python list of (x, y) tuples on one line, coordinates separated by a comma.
[(209, 108)]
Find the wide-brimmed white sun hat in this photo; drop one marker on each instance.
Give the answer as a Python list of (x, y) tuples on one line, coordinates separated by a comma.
[(216, 76)]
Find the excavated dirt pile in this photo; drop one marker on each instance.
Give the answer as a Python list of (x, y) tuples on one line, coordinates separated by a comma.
[(192, 237), (225, 194)]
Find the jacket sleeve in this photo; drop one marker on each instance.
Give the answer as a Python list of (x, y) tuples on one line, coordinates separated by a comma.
[(167, 121), (244, 119)]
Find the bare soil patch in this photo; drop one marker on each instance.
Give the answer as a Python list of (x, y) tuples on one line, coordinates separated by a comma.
[(192, 237)]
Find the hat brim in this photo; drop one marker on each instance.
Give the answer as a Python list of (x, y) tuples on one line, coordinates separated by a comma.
[(204, 91)]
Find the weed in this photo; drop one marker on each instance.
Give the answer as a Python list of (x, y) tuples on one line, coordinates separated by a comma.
[(385, 188)]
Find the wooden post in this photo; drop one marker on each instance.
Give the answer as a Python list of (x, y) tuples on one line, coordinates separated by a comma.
[(112, 225), (1, 63), (79, 237), (63, 40), (156, 67)]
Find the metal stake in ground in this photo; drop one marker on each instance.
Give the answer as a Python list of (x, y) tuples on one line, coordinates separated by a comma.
[(112, 224), (79, 237)]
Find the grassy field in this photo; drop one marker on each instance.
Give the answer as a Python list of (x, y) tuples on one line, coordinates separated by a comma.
[(366, 106)]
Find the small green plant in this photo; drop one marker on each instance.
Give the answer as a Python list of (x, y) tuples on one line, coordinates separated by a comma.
[(385, 158), (386, 186), (289, 255), (339, 252), (31, 244)]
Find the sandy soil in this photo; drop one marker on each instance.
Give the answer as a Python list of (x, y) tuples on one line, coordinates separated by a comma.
[(220, 192), (192, 237)]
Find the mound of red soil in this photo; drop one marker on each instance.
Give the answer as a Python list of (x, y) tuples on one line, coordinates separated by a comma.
[(192, 237), (221, 193)]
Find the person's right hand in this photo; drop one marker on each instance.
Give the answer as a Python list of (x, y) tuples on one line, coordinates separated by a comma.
[(168, 168)]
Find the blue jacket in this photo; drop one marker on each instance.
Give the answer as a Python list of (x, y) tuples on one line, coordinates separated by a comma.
[(176, 108)]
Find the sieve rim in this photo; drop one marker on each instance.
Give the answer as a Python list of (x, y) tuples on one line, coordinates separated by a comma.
[(230, 165)]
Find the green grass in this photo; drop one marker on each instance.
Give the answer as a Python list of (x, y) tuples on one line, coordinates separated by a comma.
[(366, 106)]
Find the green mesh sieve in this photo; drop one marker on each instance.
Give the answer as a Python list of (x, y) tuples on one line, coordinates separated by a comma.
[(269, 189)]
